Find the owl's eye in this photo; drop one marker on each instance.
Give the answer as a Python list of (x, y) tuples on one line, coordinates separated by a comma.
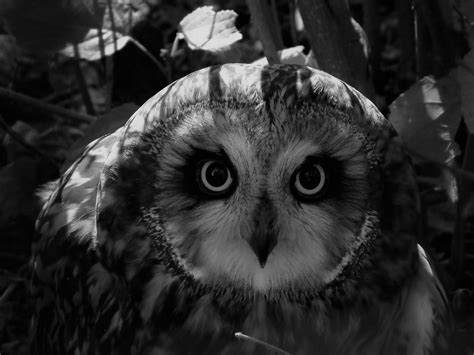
[(214, 177), (310, 180)]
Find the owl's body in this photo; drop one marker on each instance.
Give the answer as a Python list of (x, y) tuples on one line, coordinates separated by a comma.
[(273, 201)]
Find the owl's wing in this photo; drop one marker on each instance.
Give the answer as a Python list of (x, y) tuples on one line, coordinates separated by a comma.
[(423, 323), (77, 303)]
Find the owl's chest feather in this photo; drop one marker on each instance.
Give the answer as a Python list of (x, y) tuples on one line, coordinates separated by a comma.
[(388, 327)]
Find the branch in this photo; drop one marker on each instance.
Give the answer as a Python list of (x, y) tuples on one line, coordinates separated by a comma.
[(335, 42), (44, 107), (264, 28)]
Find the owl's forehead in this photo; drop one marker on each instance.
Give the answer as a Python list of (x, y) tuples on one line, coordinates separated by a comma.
[(303, 130), (268, 106)]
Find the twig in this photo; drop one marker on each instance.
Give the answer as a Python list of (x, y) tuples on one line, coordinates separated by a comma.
[(86, 98), (44, 107), (112, 24), (264, 30), (17, 137), (174, 47), (99, 32), (242, 336)]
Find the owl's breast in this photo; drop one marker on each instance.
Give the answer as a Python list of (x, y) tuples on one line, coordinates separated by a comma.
[(294, 328), (395, 325)]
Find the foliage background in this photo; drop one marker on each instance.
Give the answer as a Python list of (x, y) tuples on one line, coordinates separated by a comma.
[(73, 70)]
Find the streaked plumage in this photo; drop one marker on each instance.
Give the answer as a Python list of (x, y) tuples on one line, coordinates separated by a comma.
[(197, 219)]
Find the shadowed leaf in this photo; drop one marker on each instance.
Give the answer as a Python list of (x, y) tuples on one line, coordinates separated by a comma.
[(45, 26), (427, 117), (466, 82), (106, 124)]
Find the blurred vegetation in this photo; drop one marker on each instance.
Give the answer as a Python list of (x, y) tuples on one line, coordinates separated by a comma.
[(71, 71)]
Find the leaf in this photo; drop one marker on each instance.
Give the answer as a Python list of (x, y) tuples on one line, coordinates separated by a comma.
[(208, 30), (89, 48), (47, 25), (427, 117), (466, 82)]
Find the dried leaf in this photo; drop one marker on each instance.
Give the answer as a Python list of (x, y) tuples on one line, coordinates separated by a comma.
[(427, 117), (466, 82), (292, 55), (208, 30)]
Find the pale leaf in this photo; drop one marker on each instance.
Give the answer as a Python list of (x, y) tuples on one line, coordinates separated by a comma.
[(208, 30)]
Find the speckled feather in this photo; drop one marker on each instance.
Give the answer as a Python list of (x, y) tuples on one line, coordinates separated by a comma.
[(111, 273)]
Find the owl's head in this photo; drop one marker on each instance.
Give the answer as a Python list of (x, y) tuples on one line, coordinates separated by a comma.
[(257, 177)]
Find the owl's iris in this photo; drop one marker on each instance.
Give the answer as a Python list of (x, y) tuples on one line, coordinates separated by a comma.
[(310, 180), (214, 177)]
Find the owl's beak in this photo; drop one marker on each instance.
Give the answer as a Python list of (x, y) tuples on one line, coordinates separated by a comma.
[(263, 239)]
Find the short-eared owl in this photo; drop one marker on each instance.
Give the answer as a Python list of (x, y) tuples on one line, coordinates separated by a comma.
[(270, 200)]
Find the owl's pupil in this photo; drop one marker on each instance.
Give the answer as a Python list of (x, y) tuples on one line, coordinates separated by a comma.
[(310, 177), (216, 174)]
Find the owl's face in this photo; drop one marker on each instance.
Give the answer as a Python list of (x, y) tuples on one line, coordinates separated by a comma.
[(260, 178), (262, 202)]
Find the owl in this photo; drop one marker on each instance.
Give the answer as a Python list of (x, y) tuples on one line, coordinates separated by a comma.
[(275, 201)]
